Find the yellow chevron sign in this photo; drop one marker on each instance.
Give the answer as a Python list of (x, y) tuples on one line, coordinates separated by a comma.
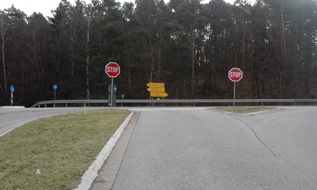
[(157, 89), (155, 84), (158, 94)]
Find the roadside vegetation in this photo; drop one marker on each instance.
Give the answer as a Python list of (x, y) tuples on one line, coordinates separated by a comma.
[(243, 109), (190, 45), (53, 153)]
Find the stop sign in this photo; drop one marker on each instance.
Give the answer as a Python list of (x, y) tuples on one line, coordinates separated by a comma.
[(112, 69), (235, 74)]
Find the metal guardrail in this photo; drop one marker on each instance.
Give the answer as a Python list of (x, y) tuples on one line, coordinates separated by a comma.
[(192, 102)]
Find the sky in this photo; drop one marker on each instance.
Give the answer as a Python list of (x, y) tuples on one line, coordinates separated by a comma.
[(45, 7)]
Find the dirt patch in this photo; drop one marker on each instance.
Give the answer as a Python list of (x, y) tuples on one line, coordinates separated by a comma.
[(243, 109)]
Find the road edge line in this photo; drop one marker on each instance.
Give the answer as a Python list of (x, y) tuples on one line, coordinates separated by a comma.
[(89, 176)]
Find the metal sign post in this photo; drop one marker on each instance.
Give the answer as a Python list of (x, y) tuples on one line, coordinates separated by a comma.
[(234, 93), (55, 87), (111, 96), (12, 88), (122, 96), (112, 90), (11, 102)]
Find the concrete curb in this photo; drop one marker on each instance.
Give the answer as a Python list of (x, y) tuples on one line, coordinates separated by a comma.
[(12, 107), (89, 176)]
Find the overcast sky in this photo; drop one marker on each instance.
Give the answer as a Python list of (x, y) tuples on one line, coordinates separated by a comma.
[(45, 7)]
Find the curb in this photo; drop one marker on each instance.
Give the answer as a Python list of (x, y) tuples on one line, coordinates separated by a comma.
[(89, 176), (12, 107)]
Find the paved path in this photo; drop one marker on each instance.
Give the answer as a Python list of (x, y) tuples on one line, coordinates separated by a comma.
[(208, 149)]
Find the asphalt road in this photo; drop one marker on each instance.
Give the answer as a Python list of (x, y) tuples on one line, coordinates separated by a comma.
[(207, 149), (11, 118)]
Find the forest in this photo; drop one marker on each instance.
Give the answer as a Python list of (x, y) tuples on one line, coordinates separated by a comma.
[(186, 44)]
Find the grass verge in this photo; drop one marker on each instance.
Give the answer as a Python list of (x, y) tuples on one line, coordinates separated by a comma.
[(243, 109), (53, 153)]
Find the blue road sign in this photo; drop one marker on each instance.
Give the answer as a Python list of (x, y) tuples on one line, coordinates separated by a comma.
[(55, 87), (12, 88)]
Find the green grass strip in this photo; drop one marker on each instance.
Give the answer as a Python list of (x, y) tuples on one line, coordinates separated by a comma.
[(53, 153)]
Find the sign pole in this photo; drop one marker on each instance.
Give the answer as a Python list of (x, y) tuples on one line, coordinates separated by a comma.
[(55, 87), (54, 96), (11, 102), (234, 94), (111, 98), (12, 88)]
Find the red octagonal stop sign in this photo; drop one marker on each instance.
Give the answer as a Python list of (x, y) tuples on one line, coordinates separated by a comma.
[(235, 74), (112, 69)]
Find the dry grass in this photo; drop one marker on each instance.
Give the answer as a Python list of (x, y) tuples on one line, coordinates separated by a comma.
[(243, 110), (53, 153)]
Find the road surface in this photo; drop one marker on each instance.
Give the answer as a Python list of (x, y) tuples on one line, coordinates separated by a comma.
[(201, 148), (209, 149)]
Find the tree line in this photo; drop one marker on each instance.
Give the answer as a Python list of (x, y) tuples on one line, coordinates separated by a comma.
[(187, 44)]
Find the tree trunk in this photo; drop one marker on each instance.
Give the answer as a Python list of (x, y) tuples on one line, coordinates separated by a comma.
[(3, 40), (243, 47), (72, 65), (192, 49), (87, 56), (283, 68), (159, 55)]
